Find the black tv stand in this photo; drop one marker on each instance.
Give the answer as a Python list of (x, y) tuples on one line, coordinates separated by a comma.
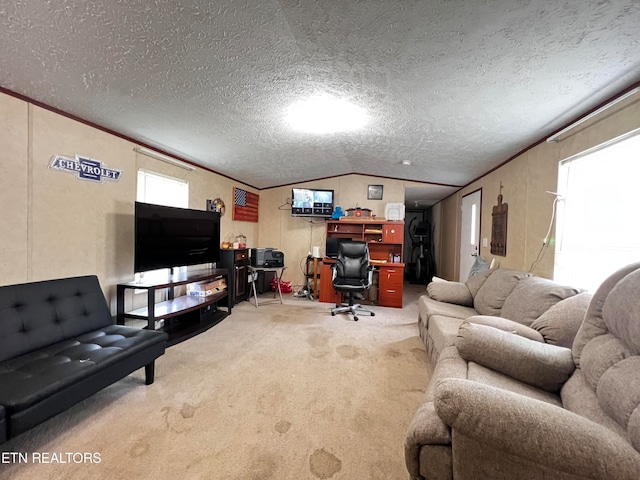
[(184, 316)]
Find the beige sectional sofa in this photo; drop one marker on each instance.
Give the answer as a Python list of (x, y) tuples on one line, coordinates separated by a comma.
[(532, 380)]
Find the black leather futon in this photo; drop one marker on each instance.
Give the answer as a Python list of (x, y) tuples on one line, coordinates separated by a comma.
[(58, 346)]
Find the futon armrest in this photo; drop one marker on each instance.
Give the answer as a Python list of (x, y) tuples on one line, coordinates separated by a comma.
[(539, 364), (498, 423)]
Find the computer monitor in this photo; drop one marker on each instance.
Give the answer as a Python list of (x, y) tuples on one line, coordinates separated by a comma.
[(333, 246)]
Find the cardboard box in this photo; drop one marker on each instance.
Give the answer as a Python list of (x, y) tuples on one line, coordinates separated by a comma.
[(206, 289)]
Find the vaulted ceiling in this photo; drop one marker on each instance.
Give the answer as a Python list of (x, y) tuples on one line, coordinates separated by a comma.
[(454, 87)]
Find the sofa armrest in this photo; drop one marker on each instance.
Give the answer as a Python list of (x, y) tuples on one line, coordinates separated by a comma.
[(539, 364), (507, 325), (530, 434), (426, 427), (450, 292)]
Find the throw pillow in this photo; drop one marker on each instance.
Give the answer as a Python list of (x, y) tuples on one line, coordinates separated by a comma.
[(559, 325), (479, 265), (539, 364)]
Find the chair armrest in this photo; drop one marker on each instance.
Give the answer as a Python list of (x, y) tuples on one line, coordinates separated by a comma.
[(537, 435), (539, 364)]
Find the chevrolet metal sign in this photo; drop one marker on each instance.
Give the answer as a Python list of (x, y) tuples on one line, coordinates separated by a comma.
[(85, 168)]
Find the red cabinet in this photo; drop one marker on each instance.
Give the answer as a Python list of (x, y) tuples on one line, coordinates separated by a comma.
[(390, 284)]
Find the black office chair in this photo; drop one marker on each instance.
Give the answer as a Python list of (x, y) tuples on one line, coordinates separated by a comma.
[(352, 273)]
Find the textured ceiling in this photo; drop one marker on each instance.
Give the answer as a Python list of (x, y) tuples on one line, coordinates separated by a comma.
[(457, 87)]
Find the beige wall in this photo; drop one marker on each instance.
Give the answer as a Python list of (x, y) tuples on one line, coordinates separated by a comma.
[(296, 236), (14, 188), (525, 182), (54, 225)]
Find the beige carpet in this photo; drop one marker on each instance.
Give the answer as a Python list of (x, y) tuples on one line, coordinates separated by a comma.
[(278, 392)]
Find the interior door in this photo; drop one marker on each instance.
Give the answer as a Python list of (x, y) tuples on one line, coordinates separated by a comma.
[(469, 232)]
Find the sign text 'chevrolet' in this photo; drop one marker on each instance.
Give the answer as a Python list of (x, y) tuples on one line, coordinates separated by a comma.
[(85, 168)]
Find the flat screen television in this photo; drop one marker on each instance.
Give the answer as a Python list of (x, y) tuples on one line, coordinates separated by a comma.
[(167, 237), (310, 202)]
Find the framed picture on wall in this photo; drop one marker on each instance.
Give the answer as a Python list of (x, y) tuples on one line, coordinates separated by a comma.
[(374, 192)]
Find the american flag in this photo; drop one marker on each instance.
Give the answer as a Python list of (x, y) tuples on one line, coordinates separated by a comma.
[(245, 205)]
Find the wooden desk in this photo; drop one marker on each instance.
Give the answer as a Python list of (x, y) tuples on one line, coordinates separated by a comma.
[(390, 283)]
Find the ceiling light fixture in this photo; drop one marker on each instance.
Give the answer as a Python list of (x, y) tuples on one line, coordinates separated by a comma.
[(325, 114), (164, 158), (406, 163)]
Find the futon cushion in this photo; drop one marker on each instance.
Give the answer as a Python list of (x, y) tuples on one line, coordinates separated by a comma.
[(38, 314), (27, 379)]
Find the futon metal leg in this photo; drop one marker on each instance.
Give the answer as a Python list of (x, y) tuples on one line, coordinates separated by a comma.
[(149, 372)]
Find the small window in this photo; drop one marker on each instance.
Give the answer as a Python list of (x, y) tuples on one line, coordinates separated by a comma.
[(162, 190), (597, 229)]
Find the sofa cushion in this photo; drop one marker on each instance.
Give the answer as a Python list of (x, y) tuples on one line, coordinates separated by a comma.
[(538, 364), (428, 307), (560, 324), (474, 282), (533, 296), (495, 290), (486, 376), (507, 325), (442, 331), (578, 397), (450, 292)]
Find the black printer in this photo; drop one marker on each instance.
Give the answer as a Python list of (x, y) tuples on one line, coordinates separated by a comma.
[(267, 257)]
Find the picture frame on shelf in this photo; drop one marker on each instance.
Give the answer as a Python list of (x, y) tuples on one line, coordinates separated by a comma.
[(374, 192)]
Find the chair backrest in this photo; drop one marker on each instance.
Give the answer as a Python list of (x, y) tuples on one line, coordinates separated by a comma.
[(353, 260)]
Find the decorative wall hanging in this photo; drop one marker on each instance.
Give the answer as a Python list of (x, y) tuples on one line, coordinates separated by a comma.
[(499, 227), (374, 192), (216, 205), (245, 205), (84, 168)]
